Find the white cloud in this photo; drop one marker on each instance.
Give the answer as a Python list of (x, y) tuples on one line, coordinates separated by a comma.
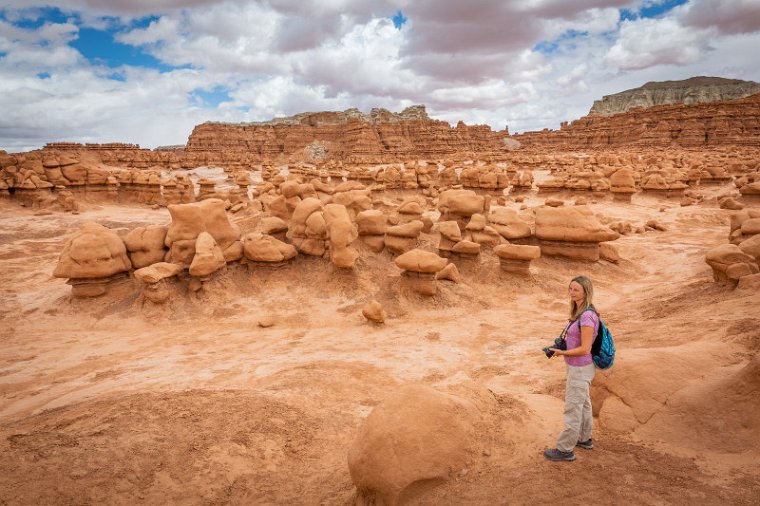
[(728, 16), (472, 61), (647, 42)]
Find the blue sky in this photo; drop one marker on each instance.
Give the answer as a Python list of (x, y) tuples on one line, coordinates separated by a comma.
[(103, 71)]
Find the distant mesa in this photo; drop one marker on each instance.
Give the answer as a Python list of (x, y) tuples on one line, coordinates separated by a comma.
[(695, 90)]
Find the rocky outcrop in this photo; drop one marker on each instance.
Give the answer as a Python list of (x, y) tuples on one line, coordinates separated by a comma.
[(695, 90), (378, 137), (703, 125)]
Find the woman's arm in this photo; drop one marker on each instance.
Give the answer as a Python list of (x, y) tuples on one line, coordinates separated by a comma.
[(587, 339)]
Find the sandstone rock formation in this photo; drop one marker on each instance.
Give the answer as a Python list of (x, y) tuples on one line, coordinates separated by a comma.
[(156, 279), (258, 247), (726, 123), (516, 258), (190, 220), (374, 312), (688, 91), (208, 257), (419, 269), (92, 259), (146, 245), (350, 136), (572, 232), (416, 436)]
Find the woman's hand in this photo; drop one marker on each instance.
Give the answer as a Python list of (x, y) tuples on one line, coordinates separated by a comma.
[(556, 352)]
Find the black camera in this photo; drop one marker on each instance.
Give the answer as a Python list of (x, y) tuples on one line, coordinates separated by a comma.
[(559, 343)]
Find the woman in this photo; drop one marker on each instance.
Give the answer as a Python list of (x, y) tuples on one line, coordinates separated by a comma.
[(580, 371)]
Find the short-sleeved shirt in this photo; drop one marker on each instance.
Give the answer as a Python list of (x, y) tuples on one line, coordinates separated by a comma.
[(573, 338)]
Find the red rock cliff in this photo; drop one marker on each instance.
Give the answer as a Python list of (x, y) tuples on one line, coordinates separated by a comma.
[(349, 136), (716, 124)]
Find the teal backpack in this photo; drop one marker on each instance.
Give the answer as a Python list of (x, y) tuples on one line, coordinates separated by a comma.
[(603, 348)]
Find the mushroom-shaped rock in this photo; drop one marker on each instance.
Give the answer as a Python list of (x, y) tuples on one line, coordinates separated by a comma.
[(146, 245), (259, 247), (93, 260), (94, 252), (729, 262), (374, 312), (623, 184), (572, 232), (208, 257), (416, 435), (419, 269), (516, 258), (418, 260)]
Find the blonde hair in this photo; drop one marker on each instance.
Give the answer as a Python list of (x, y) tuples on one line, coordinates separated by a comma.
[(588, 297)]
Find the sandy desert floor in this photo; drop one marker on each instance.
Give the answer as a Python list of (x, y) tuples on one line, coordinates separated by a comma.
[(116, 401)]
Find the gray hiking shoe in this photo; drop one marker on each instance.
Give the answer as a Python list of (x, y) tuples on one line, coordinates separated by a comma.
[(556, 455), (586, 445)]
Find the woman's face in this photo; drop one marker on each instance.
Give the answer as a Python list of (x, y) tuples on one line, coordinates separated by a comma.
[(576, 292)]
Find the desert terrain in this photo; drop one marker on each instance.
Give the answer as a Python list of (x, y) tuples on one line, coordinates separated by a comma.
[(350, 309), (114, 400)]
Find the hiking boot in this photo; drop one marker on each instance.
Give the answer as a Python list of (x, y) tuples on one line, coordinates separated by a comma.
[(586, 445), (556, 455)]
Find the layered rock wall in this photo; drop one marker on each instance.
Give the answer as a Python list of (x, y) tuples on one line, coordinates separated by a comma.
[(719, 124), (349, 136), (689, 91)]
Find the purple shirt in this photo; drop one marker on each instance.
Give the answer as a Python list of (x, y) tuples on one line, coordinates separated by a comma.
[(573, 338)]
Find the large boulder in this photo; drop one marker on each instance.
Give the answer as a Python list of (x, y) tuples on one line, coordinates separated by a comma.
[(259, 247), (574, 224), (572, 232), (146, 245), (508, 223), (93, 252), (421, 261), (460, 203), (189, 220), (420, 268), (729, 263), (208, 257), (417, 436)]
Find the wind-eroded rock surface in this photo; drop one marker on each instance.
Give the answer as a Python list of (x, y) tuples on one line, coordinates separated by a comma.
[(724, 123), (694, 90)]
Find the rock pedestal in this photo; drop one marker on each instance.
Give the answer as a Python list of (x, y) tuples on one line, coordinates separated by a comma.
[(419, 269), (516, 258), (572, 232)]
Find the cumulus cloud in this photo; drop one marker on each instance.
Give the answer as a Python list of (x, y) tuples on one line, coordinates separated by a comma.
[(529, 64), (647, 42), (728, 16)]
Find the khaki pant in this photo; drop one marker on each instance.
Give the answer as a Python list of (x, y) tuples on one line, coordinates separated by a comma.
[(578, 417)]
